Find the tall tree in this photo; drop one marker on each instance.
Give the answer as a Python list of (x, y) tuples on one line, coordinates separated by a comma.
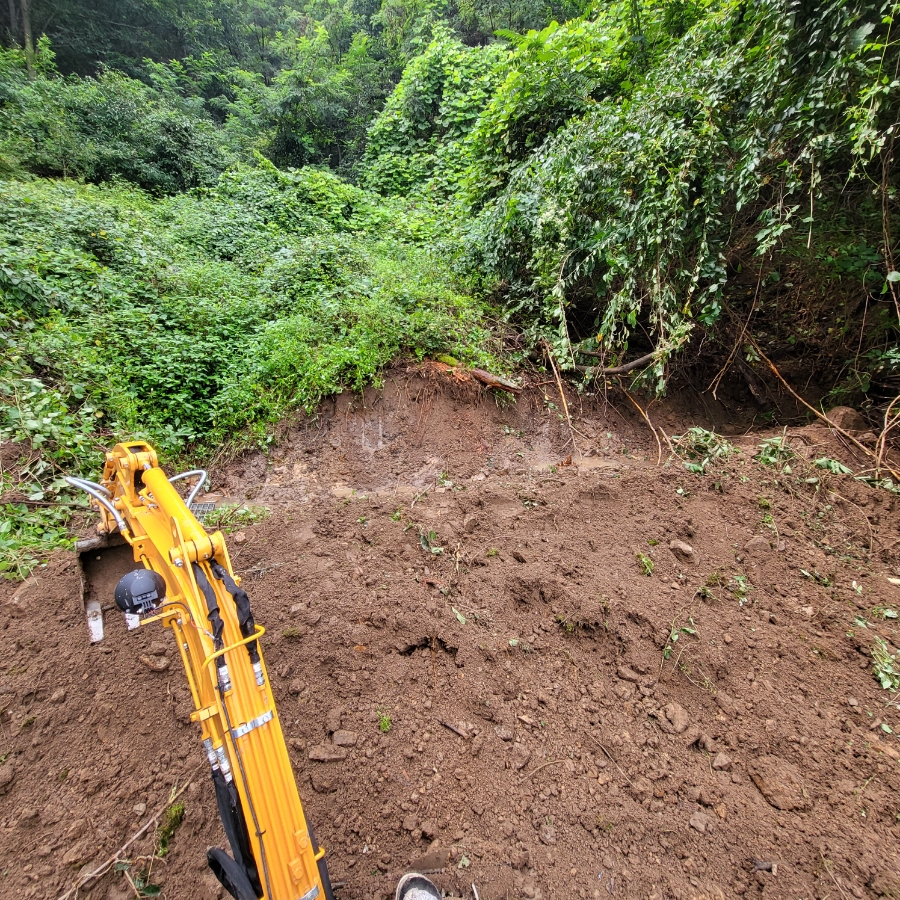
[(26, 31)]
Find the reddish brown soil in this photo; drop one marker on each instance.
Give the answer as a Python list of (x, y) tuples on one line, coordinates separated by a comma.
[(592, 765)]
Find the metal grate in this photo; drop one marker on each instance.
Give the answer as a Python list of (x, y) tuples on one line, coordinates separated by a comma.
[(202, 510)]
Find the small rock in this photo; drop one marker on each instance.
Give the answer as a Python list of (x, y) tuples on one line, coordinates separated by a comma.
[(58, 696), (345, 738), (848, 418), (296, 743), (7, 776), (641, 788), (78, 854), (156, 663), (701, 822), (728, 639), (518, 556), (626, 674), (429, 830), (321, 783), (139, 809), (547, 835), (296, 687), (327, 753), (722, 762), (780, 782), (807, 611), (333, 719), (675, 720), (435, 858), (758, 547), (852, 701), (470, 524), (239, 537), (158, 648), (520, 756), (692, 735), (505, 733), (681, 550), (410, 823)]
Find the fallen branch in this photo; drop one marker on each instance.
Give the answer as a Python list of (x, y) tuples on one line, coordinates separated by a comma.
[(109, 863), (615, 370), (646, 418), (562, 395), (494, 381), (816, 412)]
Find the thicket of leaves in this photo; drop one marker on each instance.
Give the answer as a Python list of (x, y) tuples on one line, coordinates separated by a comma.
[(202, 320), (629, 170)]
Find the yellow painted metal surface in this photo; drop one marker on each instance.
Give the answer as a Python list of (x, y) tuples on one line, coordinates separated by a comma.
[(167, 538)]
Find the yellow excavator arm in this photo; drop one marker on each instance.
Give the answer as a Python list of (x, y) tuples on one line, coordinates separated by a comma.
[(194, 591)]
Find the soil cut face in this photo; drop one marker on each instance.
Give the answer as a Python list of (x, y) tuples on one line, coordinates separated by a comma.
[(546, 678)]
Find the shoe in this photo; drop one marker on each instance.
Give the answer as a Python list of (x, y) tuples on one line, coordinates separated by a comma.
[(413, 886)]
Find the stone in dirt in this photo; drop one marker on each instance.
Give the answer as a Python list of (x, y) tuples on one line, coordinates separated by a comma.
[(758, 547), (345, 738), (627, 674), (432, 860), (780, 782), (7, 776), (722, 762), (327, 753), (505, 733), (410, 823), (701, 822), (333, 719), (674, 719), (156, 663), (848, 418), (682, 551), (322, 784)]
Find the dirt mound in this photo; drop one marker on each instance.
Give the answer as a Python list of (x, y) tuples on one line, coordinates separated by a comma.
[(587, 680)]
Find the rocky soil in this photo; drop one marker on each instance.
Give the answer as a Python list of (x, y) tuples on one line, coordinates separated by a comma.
[(545, 671)]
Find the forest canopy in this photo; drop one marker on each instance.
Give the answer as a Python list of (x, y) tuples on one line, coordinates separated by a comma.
[(216, 212)]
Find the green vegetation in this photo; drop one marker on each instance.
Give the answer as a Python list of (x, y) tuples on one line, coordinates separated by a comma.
[(171, 819), (214, 218), (885, 666), (646, 563), (232, 517), (384, 721), (700, 448)]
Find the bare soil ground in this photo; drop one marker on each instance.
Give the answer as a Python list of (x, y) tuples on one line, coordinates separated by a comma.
[(562, 724)]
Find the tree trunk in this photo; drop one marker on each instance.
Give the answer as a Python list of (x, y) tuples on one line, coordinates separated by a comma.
[(13, 27), (26, 33)]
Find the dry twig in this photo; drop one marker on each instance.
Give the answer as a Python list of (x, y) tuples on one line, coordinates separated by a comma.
[(112, 860), (646, 418), (816, 412)]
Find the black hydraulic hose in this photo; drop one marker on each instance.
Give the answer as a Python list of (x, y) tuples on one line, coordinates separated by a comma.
[(215, 621), (244, 614), (235, 826)]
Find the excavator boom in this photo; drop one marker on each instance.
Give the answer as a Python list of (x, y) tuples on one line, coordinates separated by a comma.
[(195, 593)]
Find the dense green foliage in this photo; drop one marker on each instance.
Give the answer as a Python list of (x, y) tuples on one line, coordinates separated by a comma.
[(231, 209), (203, 319), (619, 174)]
